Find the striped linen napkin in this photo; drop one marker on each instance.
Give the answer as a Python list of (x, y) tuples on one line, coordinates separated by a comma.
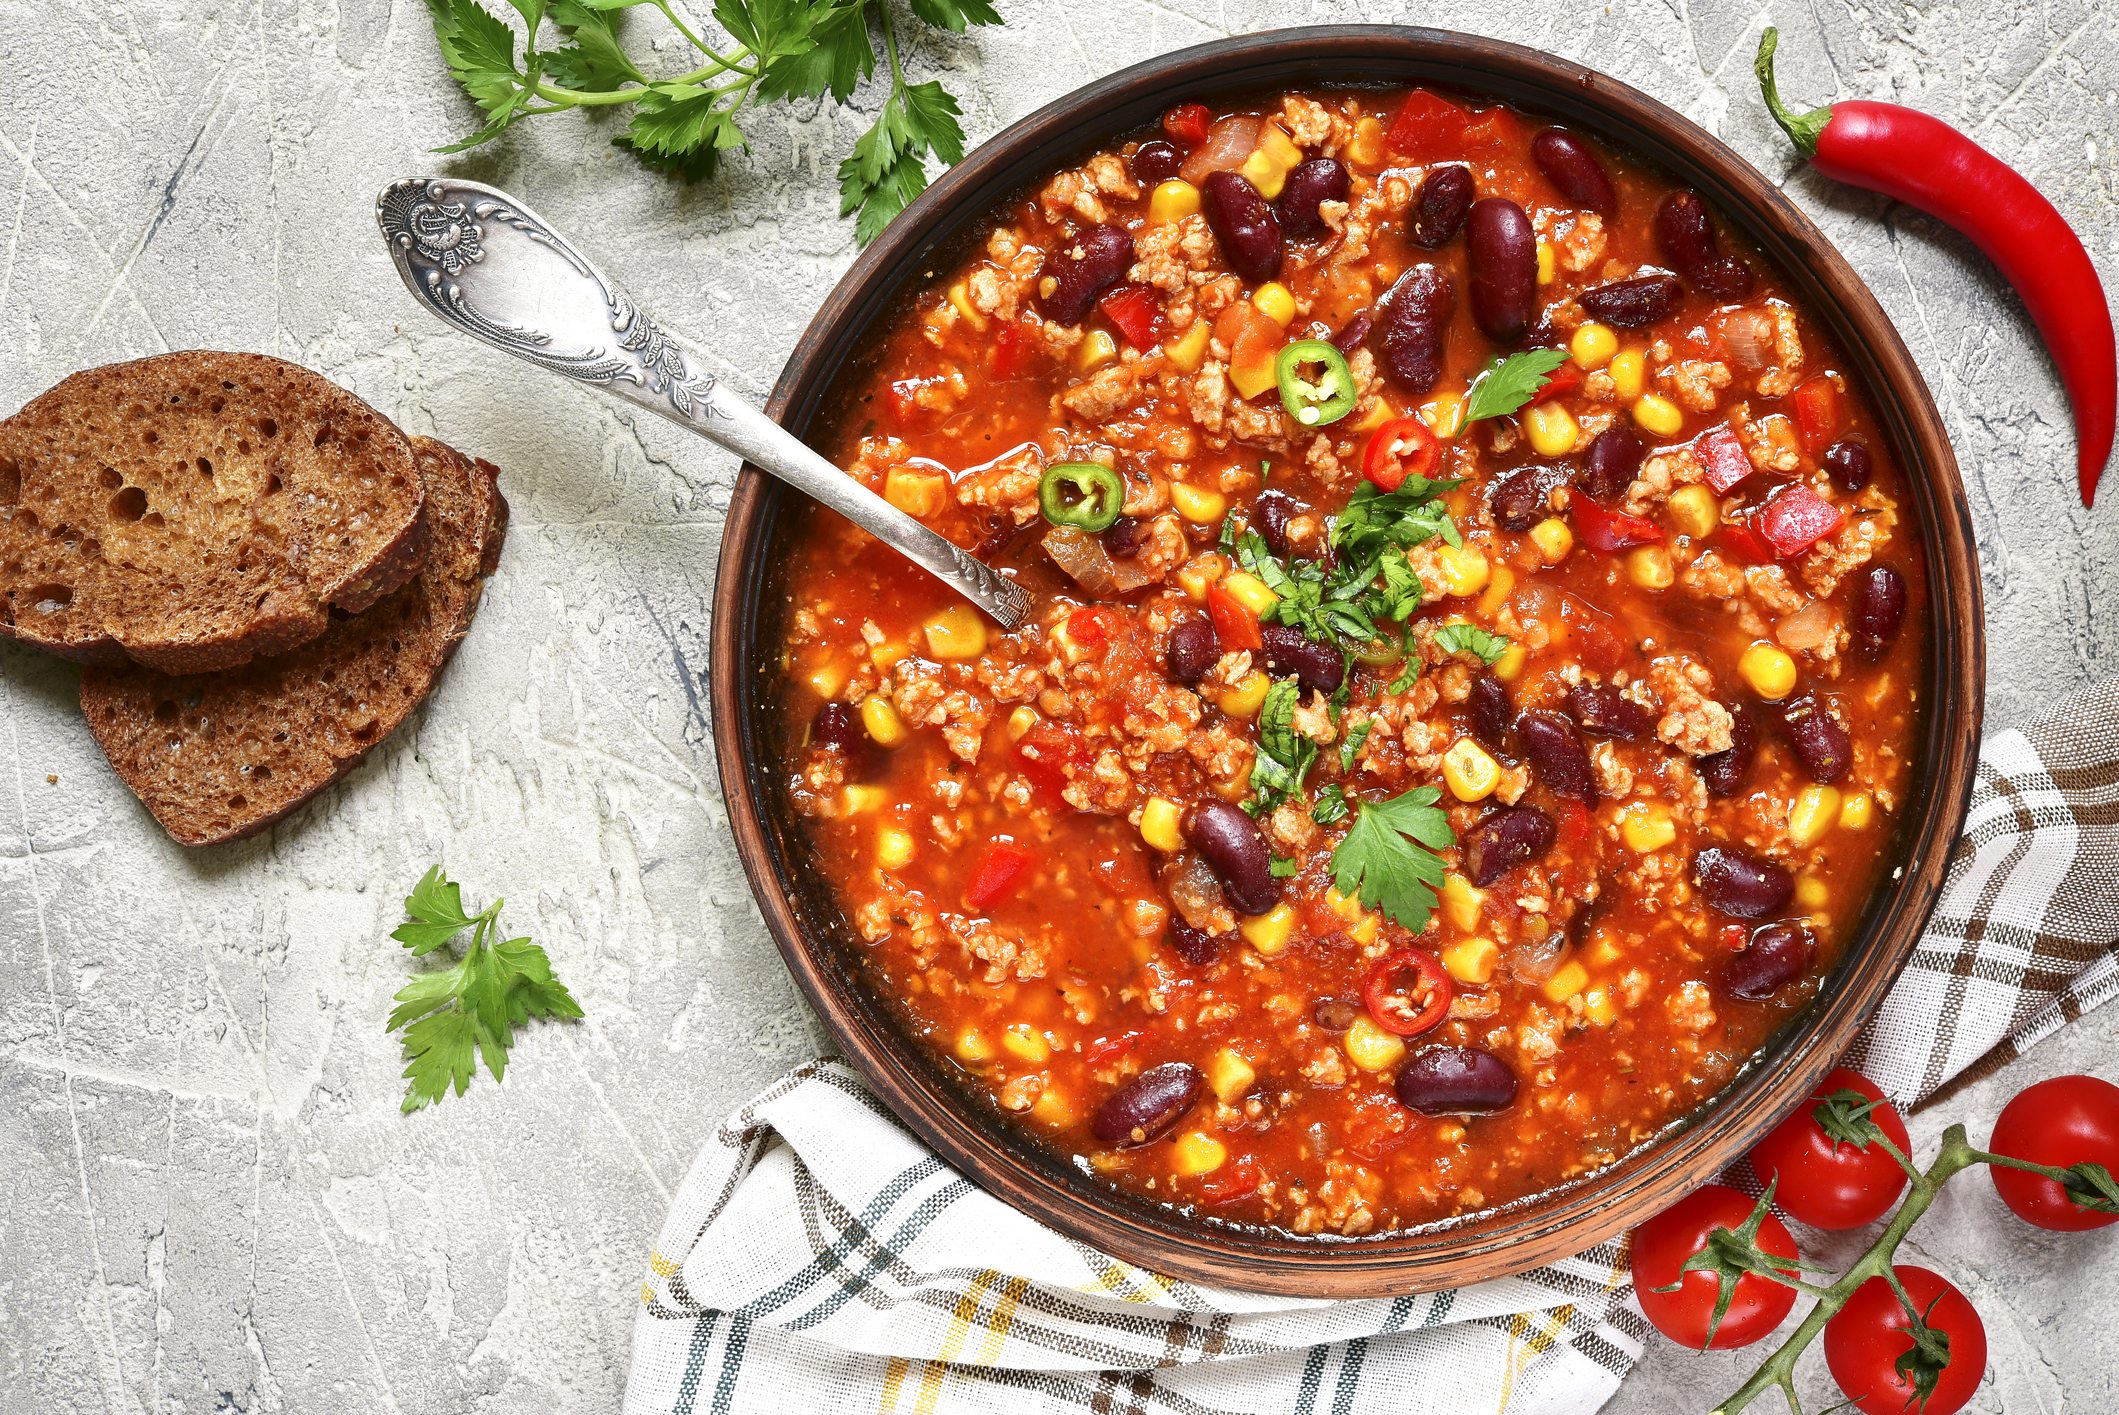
[(819, 1252)]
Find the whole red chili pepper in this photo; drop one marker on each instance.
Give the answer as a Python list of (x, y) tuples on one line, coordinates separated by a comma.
[(1923, 162)]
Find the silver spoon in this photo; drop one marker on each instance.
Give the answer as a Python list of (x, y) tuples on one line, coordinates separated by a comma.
[(487, 265)]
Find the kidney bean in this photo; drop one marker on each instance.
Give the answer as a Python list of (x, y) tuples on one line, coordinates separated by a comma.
[(1236, 849), (1491, 713), (1156, 162), (1319, 180), (1504, 267), (1685, 233), (1881, 607), (1849, 464), (1415, 317), (1319, 666), (1777, 955), (1270, 515), (1194, 648), (1334, 1014), (1350, 334), (1737, 884), (838, 725), (1820, 742), (1106, 254), (1523, 498), (1455, 1081), (1244, 223), (1195, 946), (1612, 462), (1726, 772), (1148, 1104), (1555, 750), (1502, 839), (1570, 166), (1439, 207), (1122, 538), (1635, 303), (1604, 708)]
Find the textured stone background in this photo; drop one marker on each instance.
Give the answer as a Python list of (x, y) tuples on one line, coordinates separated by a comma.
[(208, 1199)]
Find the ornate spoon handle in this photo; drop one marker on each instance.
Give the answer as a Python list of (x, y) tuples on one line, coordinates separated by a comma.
[(487, 265)]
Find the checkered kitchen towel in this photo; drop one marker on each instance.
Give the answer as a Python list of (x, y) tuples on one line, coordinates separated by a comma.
[(818, 1253)]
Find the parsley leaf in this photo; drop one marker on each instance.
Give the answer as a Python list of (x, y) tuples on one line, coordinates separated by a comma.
[(1506, 386), (1285, 756), (1470, 638), (1331, 805), (453, 1017), (1350, 746), (1380, 858), (1281, 867)]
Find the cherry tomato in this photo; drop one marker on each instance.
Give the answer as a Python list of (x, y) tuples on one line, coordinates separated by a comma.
[(1401, 448), (1865, 1339), (1660, 1248), (1407, 1005), (2067, 1120), (1831, 1183)]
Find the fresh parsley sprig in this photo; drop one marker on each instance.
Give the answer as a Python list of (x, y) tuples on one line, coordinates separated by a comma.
[(476, 1004), (1382, 861), (784, 50), (1507, 384)]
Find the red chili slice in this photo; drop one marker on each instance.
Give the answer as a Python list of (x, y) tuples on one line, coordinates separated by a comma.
[(1234, 624), (1559, 383), (1427, 127), (1797, 519), (1412, 1010), (1188, 123), (1727, 462), (1137, 311), (1401, 448), (1611, 530), (997, 870), (1818, 416)]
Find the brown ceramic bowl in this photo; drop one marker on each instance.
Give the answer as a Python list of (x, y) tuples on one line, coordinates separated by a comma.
[(967, 1129)]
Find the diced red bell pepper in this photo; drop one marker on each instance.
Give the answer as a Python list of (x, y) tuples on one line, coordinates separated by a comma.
[(1575, 829), (1741, 539), (1797, 519), (1044, 754), (997, 871), (1727, 462), (1234, 624), (1103, 1049), (1231, 1182), (1427, 127), (1188, 123), (1015, 350), (1559, 383), (1611, 530), (1491, 127), (1401, 448), (1137, 311), (1086, 627), (1818, 413)]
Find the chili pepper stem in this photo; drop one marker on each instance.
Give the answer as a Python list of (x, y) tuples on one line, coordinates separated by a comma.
[(1802, 128)]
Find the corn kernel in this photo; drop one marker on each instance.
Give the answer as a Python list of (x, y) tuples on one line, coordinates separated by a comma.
[(1173, 200), (1498, 586), (1195, 1153), (916, 493), (885, 656), (1592, 346), (1597, 1007), (827, 678), (894, 849), (1461, 901), (1366, 148), (1472, 774), (1694, 511), (1658, 414), (1552, 430), (1567, 980), (961, 298), (1196, 504), (1195, 575), (1159, 825), (1021, 721), (957, 632), (1645, 827), (1629, 374), (1274, 142), (1509, 666), (1375, 417), (1548, 263), (1276, 302), (1854, 811), (1371, 1048), (1815, 812), (1346, 906), (1025, 1043), (1250, 591), (1188, 353), (1230, 1075), (885, 727), (1812, 892), (1053, 1109), (1271, 931), (1444, 415), (859, 800), (1449, 1134), (1464, 570), (1247, 697), (1471, 960), (1098, 348), (1554, 538), (1649, 567), (1262, 172), (1770, 672), (973, 1045), (1367, 931)]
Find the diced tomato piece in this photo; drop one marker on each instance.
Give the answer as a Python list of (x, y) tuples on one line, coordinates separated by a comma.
[(1427, 127), (1137, 311), (1231, 1182), (1595, 640), (1741, 539), (902, 405), (1187, 123), (1015, 350), (997, 870), (1734, 937), (1797, 519), (1818, 413), (1559, 383), (1044, 754), (1727, 462), (1574, 828), (1491, 127), (1377, 1126), (1086, 627), (1103, 1049), (1234, 624), (1611, 530), (1401, 448), (1254, 343)]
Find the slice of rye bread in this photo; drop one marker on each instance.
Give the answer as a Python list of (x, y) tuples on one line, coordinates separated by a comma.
[(193, 511), (217, 756)]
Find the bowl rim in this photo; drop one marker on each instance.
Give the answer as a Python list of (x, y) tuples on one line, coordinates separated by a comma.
[(1557, 1223)]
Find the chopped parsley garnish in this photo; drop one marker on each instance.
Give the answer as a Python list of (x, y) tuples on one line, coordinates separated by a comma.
[(1350, 746), (1282, 867), (1331, 805), (1285, 756), (1382, 860), (1507, 384), (1471, 639)]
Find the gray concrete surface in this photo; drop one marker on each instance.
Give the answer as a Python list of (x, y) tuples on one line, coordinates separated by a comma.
[(208, 1199)]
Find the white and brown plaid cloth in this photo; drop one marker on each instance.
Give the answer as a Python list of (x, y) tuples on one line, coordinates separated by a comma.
[(818, 1253)]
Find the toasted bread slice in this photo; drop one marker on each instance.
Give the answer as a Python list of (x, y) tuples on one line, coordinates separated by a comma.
[(193, 511), (217, 756)]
